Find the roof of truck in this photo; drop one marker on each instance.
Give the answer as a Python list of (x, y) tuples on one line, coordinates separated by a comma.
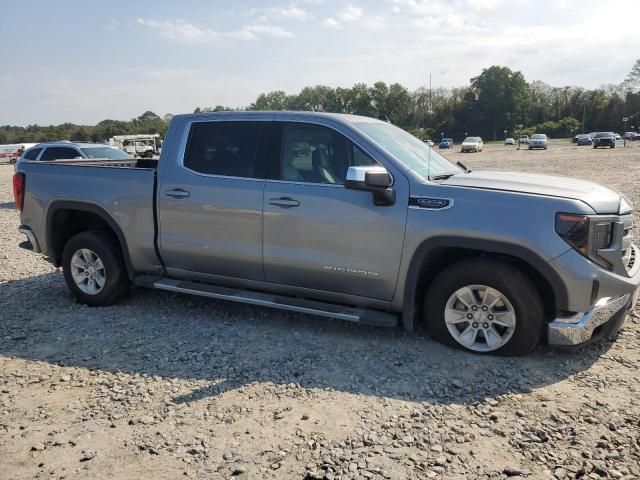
[(342, 117)]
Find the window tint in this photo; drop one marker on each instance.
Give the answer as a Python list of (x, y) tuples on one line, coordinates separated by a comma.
[(315, 154), (224, 148), (32, 154), (59, 153)]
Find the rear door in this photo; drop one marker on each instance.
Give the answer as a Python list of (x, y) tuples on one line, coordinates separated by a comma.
[(210, 200), (320, 235)]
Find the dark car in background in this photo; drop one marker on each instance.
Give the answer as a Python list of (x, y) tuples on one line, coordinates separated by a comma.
[(604, 139), (583, 139)]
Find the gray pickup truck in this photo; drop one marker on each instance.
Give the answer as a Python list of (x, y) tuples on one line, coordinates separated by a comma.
[(345, 217)]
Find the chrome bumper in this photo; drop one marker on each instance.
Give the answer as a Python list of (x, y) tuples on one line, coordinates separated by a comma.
[(579, 328)]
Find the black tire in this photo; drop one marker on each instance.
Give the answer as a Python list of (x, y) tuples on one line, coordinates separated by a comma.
[(504, 277), (116, 285)]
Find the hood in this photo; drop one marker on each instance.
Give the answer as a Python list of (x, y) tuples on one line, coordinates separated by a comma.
[(598, 197)]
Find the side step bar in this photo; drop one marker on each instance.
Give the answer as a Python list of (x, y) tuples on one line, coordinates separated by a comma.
[(368, 317)]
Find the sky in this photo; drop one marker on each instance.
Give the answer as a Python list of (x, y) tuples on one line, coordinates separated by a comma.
[(82, 61)]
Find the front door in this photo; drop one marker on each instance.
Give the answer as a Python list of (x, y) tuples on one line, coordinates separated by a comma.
[(210, 201), (317, 233)]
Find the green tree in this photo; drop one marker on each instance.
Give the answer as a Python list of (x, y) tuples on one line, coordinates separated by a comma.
[(501, 95)]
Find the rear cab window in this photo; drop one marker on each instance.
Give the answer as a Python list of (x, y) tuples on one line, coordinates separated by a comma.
[(60, 153)]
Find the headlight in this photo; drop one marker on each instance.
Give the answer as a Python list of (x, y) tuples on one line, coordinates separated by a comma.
[(574, 229), (586, 235)]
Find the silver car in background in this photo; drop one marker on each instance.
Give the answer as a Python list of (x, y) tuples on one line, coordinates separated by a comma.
[(538, 140)]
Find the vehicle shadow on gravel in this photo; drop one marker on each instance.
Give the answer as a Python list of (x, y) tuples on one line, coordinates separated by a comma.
[(222, 346)]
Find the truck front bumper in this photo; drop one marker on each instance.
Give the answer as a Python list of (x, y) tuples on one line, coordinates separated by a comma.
[(603, 319)]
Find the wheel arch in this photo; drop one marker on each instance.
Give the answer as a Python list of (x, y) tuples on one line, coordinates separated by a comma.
[(67, 218), (435, 254)]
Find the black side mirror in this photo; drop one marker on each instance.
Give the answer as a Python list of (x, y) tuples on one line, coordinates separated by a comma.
[(374, 179)]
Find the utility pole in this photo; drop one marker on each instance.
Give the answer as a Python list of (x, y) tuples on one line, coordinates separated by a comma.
[(584, 112), (430, 101)]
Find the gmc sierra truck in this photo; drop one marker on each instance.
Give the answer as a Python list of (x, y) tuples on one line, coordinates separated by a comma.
[(345, 217)]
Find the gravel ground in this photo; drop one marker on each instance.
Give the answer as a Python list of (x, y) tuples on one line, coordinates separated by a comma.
[(168, 386)]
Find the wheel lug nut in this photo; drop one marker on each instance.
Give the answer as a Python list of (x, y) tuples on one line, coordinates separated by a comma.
[(469, 316), (485, 325), (475, 325), (485, 308), (474, 308), (490, 317)]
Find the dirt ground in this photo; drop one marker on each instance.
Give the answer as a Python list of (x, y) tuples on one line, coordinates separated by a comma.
[(166, 386)]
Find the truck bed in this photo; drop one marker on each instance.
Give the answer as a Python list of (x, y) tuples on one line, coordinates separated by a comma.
[(121, 190)]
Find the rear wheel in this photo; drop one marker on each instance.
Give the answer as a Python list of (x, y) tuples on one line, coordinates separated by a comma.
[(94, 269), (485, 306)]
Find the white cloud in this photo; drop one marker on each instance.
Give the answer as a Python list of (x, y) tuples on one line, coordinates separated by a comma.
[(331, 23), (350, 14), (295, 13), (189, 32)]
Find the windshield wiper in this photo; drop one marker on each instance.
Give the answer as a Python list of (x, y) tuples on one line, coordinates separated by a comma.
[(464, 167), (443, 176)]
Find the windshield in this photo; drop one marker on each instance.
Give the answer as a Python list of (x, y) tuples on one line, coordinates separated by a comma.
[(603, 135), (538, 136), (106, 152), (471, 140), (414, 153)]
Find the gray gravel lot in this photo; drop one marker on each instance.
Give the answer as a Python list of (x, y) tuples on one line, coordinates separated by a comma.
[(169, 386)]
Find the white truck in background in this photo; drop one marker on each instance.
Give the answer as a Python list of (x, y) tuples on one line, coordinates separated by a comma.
[(143, 146)]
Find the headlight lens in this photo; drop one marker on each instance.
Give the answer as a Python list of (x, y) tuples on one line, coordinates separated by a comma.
[(574, 229), (604, 232)]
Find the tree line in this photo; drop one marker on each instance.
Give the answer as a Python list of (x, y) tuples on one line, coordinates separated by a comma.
[(496, 100)]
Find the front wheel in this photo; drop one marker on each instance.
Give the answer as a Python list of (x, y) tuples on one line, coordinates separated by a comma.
[(94, 269), (485, 306)]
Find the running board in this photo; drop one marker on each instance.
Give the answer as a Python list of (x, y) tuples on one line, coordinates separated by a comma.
[(311, 307)]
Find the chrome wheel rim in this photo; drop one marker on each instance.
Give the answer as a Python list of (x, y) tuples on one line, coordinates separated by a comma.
[(480, 318), (88, 271)]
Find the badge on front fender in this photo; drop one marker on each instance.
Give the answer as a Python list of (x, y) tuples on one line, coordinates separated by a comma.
[(430, 203)]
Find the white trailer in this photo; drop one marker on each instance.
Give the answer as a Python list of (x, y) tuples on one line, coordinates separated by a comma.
[(138, 145)]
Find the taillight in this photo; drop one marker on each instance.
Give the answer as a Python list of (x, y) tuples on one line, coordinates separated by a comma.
[(18, 190)]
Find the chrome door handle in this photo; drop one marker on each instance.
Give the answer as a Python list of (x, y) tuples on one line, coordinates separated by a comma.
[(177, 193), (284, 202)]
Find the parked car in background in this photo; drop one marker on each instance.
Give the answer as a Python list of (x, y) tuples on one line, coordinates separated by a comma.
[(239, 210), (523, 139), (538, 140), (446, 143), (65, 150), (583, 139), (604, 139), (617, 136), (472, 144), (510, 141)]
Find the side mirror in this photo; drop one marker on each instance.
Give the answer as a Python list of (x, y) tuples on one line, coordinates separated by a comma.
[(374, 179)]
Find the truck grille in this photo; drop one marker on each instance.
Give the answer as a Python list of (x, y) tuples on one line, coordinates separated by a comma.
[(628, 250)]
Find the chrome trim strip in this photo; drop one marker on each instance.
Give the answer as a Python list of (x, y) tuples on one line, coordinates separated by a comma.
[(579, 328)]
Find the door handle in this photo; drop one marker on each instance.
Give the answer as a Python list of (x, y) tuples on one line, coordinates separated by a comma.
[(284, 202), (177, 193)]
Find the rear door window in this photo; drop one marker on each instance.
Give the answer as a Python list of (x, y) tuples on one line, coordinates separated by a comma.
[(32, 154), (227, 149), (60, 153)]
